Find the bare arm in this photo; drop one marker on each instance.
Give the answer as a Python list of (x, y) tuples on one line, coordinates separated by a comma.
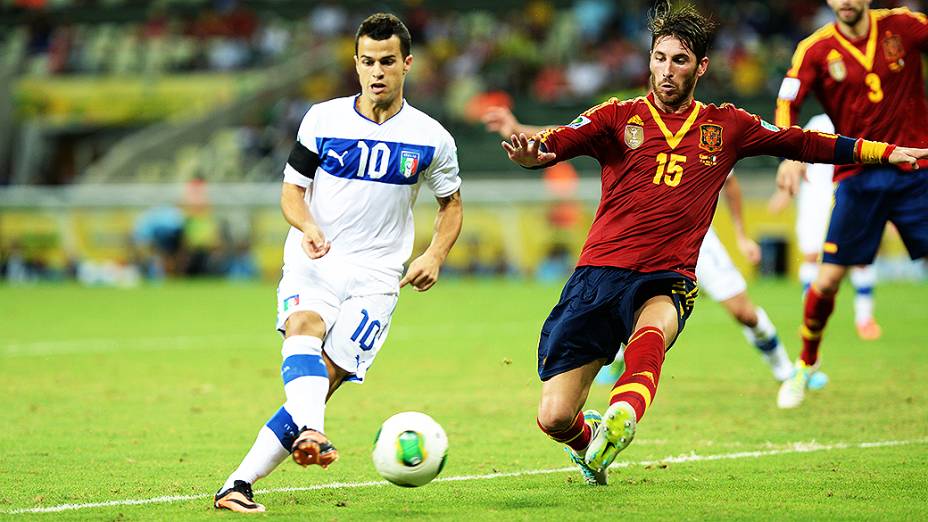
[(293, 205), (423, 271), (502, 121), (733, 198)]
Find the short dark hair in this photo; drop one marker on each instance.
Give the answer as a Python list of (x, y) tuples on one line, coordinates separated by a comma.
[(684, 22), (382, 26)]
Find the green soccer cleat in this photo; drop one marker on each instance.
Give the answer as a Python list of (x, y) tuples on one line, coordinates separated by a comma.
[(793, 390), (591, 476), (617, 432)]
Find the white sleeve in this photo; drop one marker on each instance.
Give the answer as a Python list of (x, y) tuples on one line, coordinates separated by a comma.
[(306, 137), (443, 175), (821, 123)]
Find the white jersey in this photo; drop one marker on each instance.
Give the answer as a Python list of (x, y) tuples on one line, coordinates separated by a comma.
[(363, 191), (715, 271), (816, 193)]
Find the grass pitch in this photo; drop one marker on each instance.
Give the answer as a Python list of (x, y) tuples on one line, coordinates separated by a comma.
[(113, 396)]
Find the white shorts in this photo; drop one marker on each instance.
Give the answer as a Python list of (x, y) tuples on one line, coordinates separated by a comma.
[(715, 271), (813, 210), (356, 315)]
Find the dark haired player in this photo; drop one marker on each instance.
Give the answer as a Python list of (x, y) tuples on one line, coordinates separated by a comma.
[(348, 191), (866, 71), (664, 159)]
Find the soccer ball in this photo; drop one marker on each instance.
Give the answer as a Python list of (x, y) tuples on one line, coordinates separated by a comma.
[(410, 449)]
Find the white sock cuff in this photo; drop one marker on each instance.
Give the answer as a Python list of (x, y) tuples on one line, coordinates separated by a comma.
[(301, 345), (808, 271), (764, 326), (863, 276)]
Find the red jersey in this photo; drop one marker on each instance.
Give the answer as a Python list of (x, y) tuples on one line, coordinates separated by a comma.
[(870, 87), (662, 172)]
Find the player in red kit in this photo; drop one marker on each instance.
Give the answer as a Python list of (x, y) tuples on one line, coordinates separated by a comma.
[(866, 71), (664, 159)]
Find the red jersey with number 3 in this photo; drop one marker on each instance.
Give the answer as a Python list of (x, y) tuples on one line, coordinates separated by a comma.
[(662, 172), (871, 87)]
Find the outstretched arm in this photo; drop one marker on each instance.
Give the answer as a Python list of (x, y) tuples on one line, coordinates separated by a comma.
[(423, 271), (731, 190), (502, 121)]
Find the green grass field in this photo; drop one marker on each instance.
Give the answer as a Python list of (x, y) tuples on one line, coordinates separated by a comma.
[(118, 395)]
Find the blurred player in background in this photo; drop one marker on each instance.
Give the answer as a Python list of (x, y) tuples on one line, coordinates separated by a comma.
[(813, 207), (664, 160), (349, 187), (715, 271), (866, 71)]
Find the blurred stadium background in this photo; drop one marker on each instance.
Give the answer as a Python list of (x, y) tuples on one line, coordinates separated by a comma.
[(144, 140)]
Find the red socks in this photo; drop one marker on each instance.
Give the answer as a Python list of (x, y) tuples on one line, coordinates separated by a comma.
[(815, 314), (577, 436), (644, 356)]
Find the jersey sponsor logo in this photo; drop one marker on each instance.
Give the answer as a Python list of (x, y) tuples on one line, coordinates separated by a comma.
[(634, 136), (894, 51), (789, 89), (339, 157), (769, 126), (578, 122), (710, 137), (371, 160), (836, 67), (709, 160)]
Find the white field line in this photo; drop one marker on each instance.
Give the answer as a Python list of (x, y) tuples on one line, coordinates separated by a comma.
[(796, 447)]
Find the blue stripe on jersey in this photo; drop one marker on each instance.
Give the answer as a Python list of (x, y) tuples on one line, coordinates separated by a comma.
[(283, 426), (383, 161)]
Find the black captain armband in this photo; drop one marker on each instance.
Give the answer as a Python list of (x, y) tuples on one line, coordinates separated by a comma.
[(303, 160)]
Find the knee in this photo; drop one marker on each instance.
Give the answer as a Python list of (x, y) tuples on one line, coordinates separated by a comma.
[(746, 316), (827, 285), (306, 323), (555, 415)]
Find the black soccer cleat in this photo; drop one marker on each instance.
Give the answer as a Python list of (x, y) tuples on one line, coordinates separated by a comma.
[(238, 498)]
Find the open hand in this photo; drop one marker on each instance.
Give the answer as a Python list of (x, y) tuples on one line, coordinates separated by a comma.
[(525, 152), (906, 156)]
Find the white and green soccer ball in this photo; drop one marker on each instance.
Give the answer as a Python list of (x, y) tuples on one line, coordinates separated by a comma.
[(410, 449)]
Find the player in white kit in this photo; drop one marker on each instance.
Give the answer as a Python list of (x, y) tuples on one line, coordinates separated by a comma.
[(813, 209), (348, 191)]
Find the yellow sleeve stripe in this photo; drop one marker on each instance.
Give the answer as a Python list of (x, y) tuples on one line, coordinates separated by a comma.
[(634, 387), (593, 109), (883, 13), (804, 46), (784, 114)]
